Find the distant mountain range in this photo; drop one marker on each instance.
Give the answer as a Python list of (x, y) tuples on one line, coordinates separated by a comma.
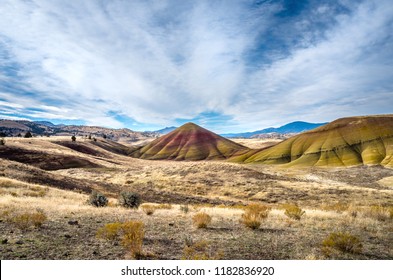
[(165, 130), (293, 127)]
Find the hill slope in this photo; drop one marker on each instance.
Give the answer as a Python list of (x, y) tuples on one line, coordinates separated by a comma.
[(344, 142), (190, 142)]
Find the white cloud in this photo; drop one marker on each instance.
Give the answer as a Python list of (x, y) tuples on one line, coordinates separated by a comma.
[(156, 61)]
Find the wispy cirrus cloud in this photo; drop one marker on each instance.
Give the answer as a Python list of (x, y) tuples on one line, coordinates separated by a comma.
[(146, 64)]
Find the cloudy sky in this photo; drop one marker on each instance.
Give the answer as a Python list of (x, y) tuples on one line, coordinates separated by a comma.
[(230, 65)]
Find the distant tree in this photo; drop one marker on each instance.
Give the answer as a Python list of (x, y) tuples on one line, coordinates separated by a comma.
[(94, 139), (3, 134), (73, 138), (19, 135), (28, 135), (104, 136), (89, 137), (2, 142)]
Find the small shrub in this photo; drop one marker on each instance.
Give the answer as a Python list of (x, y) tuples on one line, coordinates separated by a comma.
[(132, 234), (201, 220), (129, 199), (378, 212), (109, 232), (2, 142), (293, 211), (254, 214), (184, 208), (73, 138), (28, 135), (98, 199), (200, 250), (148, 209), (343, 242), (26, 220)]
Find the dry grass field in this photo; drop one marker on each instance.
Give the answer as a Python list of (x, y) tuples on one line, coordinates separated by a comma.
[(45, 185)]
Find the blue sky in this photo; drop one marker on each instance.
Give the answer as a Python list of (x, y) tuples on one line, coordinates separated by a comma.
[(231, 66)]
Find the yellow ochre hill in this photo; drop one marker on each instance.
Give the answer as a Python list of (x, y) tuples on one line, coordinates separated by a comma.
[(190, 142), (344, 142)]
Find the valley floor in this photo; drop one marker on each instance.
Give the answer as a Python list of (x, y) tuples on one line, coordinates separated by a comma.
[(353, 200)]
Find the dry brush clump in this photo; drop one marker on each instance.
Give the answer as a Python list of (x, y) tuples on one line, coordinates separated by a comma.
[(378, 212), (25, 220), (200, 250), (148, 209), (293, 211), (343, 242), (130, 234), (201, 220), (254, 214)]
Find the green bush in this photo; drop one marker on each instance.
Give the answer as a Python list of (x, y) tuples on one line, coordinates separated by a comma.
[(98, 199), (129, 199)]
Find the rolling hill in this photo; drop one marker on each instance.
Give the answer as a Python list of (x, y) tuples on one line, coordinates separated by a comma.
[(190, 142), (343, 142)]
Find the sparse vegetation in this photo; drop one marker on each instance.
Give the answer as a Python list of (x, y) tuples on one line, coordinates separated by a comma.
[(129, 200), (26, 220), (254, 214), (201, 250), (184, 208), (98, 199), (293, 211), (73, 138), (341, 241), (201, 220), (148, 209), (109, 232), (378, 212), (130, 234)]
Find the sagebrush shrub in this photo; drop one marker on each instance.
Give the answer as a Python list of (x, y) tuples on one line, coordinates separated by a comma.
[(254, 214), (129, 199), (293, 211), (201, 220), (98, 199), (342, 241)]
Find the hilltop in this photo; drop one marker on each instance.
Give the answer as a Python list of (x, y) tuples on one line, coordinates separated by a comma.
[(190, 142)]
